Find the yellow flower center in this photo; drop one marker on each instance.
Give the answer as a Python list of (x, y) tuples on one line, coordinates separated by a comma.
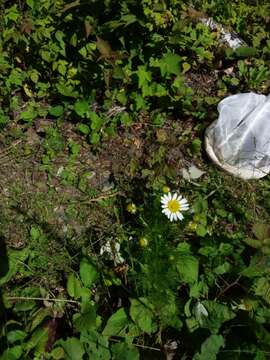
[(174, 206)]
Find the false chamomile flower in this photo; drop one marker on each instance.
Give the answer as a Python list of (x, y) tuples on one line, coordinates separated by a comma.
[(173, 205), (131, 208)]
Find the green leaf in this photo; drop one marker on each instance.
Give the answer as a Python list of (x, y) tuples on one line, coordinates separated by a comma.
[(217, 315), (58, 353), (56, 110), (142, 315), (96, 121), (81, 107), (222, 269), (29, 114), (116, 324), (35, 233), (210, 348), (73, 349), (39, 316), (96, 345), (144, 76), (38, 340), (169, 64), (14, 353), (88, 272), (261, 231), (94, 138), (74, 287), (123, 350), (83, 128), (243, 52), (16, 259), (86, 319), (262, 288), (187, 265), (16, 335), (253, 243)]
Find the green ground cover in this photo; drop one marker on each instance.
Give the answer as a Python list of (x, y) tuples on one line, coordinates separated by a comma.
[(103, 108)]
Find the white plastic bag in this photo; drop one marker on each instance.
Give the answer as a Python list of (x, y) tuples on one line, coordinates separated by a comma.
[(239, 141)]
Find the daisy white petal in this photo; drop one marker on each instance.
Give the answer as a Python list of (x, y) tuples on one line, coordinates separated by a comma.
[(173, 205)]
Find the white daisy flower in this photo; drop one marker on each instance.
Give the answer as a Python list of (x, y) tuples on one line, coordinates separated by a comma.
[(173, 205)]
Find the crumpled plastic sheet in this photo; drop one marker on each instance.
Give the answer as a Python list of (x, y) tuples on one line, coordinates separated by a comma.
[(239, 140)]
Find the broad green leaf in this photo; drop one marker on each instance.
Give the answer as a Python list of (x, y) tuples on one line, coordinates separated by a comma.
[(16, 335), (243, 52), (39, 316), (14, 353), (217, 315), (222, 269), (116, 323), (144, 76), (169, 64), (123, 350), (38, 340), (96, 121), (88, 272), (96, 345), (262, 288), (83, 128), (210, 348), (86, 319), (81, 107), (74, 287), (187, 265), (257, 244), (73, 349), (142, 315), (261, 231), (16, 259), (56, 110), (57, 353), (94, 138)]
